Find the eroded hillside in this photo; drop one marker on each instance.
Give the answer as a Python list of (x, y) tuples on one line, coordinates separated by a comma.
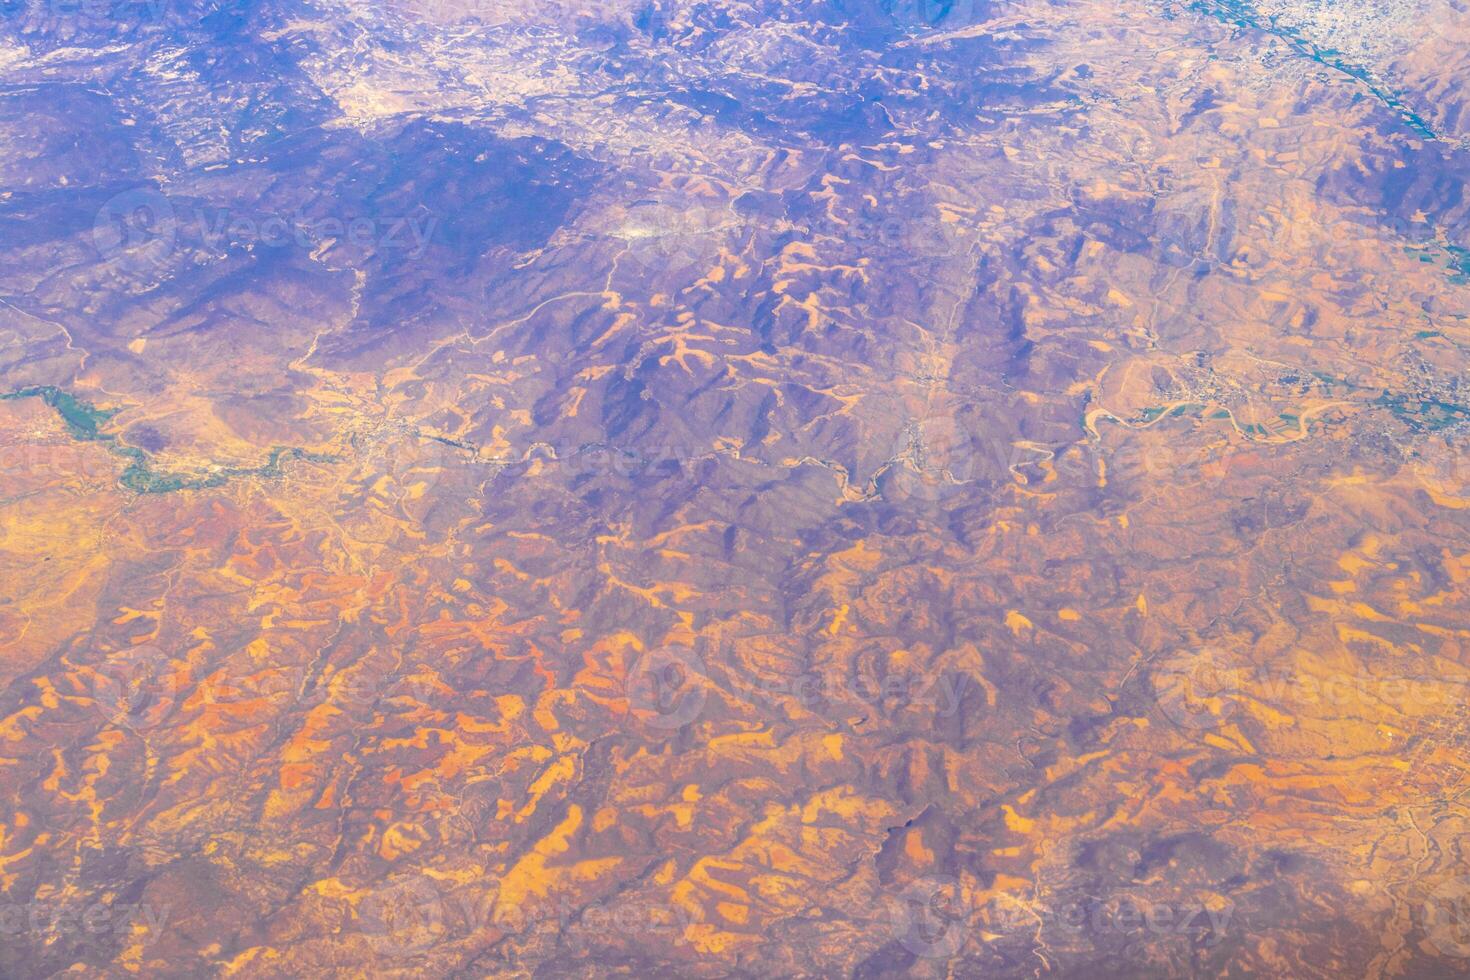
[(706, 489)]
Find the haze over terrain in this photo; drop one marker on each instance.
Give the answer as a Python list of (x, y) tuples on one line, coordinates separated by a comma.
[(710, 488)]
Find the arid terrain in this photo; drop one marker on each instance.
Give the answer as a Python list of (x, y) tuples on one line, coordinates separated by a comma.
[(704, 488)]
